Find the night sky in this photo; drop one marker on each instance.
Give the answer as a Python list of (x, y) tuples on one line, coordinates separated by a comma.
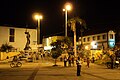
[(98, 14)]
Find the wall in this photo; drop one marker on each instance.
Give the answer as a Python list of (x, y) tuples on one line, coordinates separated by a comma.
[(3, 55)]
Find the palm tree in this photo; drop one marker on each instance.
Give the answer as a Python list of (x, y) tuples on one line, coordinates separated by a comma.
[(72, 23), (67, 42)]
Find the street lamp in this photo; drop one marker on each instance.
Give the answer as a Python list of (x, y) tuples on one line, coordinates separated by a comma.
[(38, 18), (67, 8)]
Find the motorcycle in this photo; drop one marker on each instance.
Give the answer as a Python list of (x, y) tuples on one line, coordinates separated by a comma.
[(115, 64)]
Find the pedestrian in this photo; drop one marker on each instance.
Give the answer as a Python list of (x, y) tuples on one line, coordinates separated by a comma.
[(41, 55), (93, 59), (73, 61), (7, 57), (15, 59), (44, 55), (69, 61), (34, 56), (65, 61), (88, 62), (78, 63)]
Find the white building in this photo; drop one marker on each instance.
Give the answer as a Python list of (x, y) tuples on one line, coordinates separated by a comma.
[(99, 41), (17, 37)]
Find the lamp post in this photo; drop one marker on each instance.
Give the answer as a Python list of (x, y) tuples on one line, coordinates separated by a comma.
[(67, 8), (38, 18)]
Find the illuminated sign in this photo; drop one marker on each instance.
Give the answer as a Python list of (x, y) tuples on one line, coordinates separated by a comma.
[(111, 43), (94, 44)]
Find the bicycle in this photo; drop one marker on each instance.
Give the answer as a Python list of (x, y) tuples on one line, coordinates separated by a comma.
[(15, 64)]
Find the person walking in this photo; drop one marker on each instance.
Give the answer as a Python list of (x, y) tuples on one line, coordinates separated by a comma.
[(88, 62)]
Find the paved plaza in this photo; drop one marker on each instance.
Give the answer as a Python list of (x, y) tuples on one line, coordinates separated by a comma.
[(44, 70)]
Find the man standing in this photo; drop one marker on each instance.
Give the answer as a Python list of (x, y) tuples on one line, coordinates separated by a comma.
[(65, 61), (78, 62)]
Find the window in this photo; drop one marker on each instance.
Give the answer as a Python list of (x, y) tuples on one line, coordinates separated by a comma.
[(98, 37), (12, 31), (84, 39), (104, 36), (93, 37), (11, 35), (88, 39), (111, 36), (11, 39)]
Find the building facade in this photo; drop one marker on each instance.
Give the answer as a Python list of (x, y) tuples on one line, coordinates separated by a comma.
[(17, 37), (47, 41), (98, 41)]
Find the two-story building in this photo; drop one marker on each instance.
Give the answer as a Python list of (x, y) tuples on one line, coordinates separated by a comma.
[(98, 41), (17, 37)]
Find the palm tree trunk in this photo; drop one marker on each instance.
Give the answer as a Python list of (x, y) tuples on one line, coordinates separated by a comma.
[(75, 52), (81, 39)]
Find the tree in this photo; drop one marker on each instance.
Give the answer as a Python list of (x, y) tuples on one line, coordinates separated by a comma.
[(66, 43), (72, 23), (56, 50)]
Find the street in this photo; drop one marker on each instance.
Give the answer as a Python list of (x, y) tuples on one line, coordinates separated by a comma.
[(44, 70)]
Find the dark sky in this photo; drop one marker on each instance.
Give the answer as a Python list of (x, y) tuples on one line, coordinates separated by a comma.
[(97, 13)]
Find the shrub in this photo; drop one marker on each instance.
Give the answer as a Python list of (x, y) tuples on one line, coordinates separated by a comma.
[(6, 47)]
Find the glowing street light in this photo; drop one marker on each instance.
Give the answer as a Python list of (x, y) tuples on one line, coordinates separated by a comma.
[(38, 18), (67, 8)]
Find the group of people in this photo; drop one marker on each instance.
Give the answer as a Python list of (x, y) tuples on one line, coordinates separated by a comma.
[(71, 61)]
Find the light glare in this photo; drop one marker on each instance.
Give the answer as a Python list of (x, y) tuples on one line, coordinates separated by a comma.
[(68, 7), (38, 17)]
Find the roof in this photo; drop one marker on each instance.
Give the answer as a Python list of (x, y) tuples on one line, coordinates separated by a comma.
[(95, 31)]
